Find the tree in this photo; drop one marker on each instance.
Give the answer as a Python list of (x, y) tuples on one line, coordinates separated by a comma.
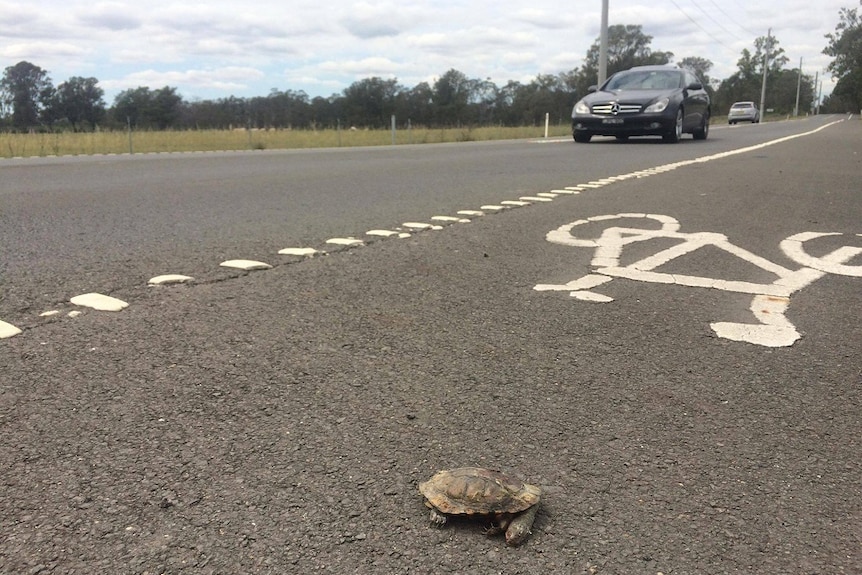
[(26, 89), (747, 82), (845, 46), (628, 46), (698, 65), (130, 105), (79, 101), (370, 102), (451, 94), (145, 108)]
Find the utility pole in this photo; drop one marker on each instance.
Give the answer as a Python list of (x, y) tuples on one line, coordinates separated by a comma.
[(816, 109), (819, 96), (765, 67), (603, 45), (798, 85)]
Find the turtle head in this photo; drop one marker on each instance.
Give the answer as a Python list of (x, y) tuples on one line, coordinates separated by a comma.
[(519, 527)]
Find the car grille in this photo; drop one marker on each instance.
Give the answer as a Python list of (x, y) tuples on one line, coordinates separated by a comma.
[(621, 108)]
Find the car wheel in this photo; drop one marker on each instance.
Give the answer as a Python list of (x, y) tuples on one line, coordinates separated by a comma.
[(675, 133), (702, 132), (583, 138), (731, 123)]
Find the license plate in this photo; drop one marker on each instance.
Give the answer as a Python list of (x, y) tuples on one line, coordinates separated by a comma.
[(612, 121)]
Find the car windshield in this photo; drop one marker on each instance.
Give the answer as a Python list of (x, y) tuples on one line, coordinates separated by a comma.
[(743, 105), (645, 80)]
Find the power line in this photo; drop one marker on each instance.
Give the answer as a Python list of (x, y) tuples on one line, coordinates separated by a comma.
[(720, 9), (719, 24), (704, 30)]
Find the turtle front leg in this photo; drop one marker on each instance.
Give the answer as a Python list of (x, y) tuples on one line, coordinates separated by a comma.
[(519, 528), (437, 518), (499, 523)]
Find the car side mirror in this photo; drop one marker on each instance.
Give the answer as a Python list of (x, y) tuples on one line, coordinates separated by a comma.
[(592, 89), (694, 86)]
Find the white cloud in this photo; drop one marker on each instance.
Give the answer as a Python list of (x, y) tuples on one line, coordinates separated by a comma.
[(323, 47), (222, 79)]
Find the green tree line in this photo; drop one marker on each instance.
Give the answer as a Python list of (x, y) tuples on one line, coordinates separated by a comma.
[(30, 101)]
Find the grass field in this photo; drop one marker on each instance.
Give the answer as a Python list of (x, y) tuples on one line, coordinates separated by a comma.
[(90, 143)]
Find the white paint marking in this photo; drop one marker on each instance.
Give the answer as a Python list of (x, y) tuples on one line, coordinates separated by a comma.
[(8, 330), (770, 301), (516, 203), (344, 241), (49, 313), (169, 279), (534, 199), (417, 226), (381, 233), (831, 263), (491, 207), (247, 265), (446, 219), (305, 252), (99, 302), (551, 195), (566, 191), (74, 313), (591, 296), (470, 213)]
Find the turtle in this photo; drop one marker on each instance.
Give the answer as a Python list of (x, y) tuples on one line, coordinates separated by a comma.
[(510, 503)]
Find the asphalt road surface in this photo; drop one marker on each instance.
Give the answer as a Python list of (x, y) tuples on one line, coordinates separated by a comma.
[(672, 354)]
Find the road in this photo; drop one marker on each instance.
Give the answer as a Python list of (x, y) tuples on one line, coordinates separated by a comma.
[(671, 354)]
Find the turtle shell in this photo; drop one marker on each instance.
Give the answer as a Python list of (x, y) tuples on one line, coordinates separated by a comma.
[(475, 490)]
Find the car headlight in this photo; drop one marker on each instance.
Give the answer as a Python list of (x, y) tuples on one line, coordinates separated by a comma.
[(658, 106), (581, 108)]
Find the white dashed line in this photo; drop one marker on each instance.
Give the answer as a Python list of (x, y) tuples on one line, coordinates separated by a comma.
[(169, 279), (450, 219), (247, 265), (516, 203), (99, 302), (417, 226), (345, 241), (8, 330), (305, 252), (470, 213), (382, 233)]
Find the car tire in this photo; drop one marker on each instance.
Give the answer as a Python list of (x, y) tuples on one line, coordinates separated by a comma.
[(675, 133), (582, 138), (702, 132), (731, 123)]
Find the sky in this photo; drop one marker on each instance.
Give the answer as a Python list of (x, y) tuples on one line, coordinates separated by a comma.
[(219, 48)]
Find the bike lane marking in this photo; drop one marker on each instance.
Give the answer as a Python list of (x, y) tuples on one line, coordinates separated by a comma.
[(770, 301)]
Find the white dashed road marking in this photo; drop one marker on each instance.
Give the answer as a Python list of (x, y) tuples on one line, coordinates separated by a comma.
[(305, 252), (99, 302), (169, 279), (345, 241), (248, 265), (8, 330)]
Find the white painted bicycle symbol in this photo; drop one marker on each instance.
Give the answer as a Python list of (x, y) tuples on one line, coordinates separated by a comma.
[(770, 301)]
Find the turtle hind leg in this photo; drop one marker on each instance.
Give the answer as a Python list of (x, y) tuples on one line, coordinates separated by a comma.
[(437, 519), (519, 527)]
